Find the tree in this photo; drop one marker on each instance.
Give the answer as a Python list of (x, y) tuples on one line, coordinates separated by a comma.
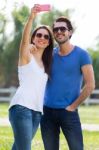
[(95, 59), (3, 38), (10, 53), (50, 17)]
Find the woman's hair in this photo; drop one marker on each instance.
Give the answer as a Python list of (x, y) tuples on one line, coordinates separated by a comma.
[(47, 54)]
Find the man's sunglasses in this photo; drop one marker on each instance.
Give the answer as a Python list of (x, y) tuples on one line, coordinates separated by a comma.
[(62, 29), (45, 36)]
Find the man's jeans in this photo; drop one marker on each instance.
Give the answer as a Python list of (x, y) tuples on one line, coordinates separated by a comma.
[(24, 123), (54, 119)]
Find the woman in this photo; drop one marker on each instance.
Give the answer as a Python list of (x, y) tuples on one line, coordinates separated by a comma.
[(33, 70)]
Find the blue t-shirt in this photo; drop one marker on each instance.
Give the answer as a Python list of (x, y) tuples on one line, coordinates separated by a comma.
[(65, 82)]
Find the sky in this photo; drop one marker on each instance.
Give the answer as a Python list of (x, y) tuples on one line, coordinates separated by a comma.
[(85, 16)]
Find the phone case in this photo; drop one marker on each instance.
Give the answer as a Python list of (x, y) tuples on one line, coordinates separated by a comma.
[(45, 7)]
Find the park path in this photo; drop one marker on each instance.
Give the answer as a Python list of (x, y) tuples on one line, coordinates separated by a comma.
[(89, 127)]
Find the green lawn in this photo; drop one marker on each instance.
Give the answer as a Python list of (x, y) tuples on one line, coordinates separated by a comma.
[(4, 110), (91, 140), (88, 114)]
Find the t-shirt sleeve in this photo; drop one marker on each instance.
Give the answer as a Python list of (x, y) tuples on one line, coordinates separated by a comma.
[(85, 58)]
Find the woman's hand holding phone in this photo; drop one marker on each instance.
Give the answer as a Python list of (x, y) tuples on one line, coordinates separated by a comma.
[(43, 7)]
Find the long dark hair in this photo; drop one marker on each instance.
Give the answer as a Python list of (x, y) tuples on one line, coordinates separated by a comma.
[(47, 54)]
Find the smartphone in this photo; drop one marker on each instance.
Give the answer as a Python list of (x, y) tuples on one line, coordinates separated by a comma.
[(45, 7)]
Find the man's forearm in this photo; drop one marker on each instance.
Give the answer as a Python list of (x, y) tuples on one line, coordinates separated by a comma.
[(85, 93)]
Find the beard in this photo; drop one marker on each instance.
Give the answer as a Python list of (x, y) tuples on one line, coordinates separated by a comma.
[(61, 41)]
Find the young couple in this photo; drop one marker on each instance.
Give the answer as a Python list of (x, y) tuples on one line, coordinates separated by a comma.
[(50, 81)]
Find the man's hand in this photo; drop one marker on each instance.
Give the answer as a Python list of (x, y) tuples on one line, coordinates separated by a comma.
[(70, 108)]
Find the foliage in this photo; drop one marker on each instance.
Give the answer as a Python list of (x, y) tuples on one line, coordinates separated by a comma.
[(20, 16), (3, 22), (10, 53), (50, 17), (95, 58), (2, 32), (3, 38)]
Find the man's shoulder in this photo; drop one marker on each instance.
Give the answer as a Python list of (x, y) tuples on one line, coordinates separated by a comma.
[(84, 55), (81, 50)]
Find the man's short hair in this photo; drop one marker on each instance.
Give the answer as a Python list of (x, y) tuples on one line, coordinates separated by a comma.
[(67, 21)]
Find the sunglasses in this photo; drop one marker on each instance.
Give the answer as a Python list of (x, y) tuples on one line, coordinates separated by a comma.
[(62, 29), (45, 36)]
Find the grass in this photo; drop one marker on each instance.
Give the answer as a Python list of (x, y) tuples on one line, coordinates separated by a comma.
[(6, 140), (88, 114), (4, 110)]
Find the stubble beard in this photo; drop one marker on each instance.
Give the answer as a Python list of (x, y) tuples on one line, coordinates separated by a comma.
[(62, 42)]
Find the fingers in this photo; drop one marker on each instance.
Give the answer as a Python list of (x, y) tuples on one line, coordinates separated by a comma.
[(36, 8), (33, 48)]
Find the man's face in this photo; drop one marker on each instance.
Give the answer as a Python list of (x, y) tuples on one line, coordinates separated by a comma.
[(61, 32)]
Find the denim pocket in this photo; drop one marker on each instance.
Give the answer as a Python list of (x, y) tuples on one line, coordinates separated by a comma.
[(71, 111), (18, 108), (19, 111)]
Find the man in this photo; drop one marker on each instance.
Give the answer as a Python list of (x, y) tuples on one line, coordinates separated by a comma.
[(71, 65)]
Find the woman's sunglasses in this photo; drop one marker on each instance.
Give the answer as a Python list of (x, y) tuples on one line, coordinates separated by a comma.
[(40, 35), (62, 29)]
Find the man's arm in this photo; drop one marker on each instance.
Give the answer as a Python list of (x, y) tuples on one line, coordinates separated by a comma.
[(89, 85)]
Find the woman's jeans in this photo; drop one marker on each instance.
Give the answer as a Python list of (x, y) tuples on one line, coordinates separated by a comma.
[(69, 122), (24, 123)]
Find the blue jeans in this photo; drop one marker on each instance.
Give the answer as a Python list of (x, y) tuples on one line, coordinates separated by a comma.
[(24, 123), (54, 119)]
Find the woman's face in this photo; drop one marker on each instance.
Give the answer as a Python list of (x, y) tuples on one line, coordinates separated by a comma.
[(41, 39)]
